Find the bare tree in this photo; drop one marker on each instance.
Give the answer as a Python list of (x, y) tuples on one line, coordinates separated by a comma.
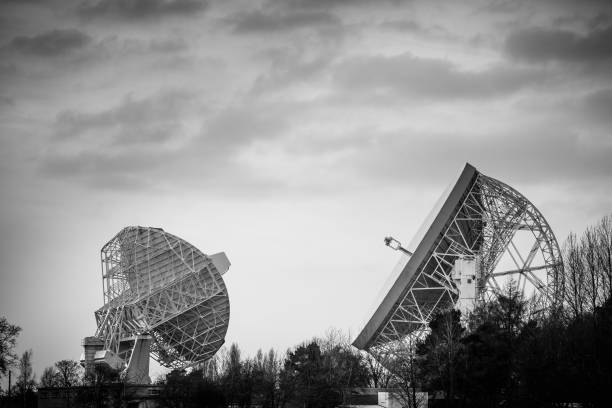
[(8, 339), (406, 374), (69, 372), (333, 338), (25, 380), (604, 252), (588, 269), (49, 378), (594, 287), (574, 276), (379, 375)]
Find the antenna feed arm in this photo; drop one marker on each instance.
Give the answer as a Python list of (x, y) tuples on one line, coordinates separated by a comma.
[(396, 245)]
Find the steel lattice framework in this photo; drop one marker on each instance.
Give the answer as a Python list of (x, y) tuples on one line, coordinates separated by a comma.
[(157, 284), (479, 220)]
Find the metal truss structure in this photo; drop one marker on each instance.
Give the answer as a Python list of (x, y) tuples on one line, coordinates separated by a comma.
[(159, 286), (482, 220)]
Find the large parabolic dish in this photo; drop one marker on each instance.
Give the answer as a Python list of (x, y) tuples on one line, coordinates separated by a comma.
[(482, 233), (163, 295)]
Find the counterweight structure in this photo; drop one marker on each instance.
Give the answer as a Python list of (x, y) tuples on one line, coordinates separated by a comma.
[(484, 233), (162, 296)]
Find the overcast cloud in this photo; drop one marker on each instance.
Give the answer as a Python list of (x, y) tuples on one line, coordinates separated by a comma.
[(293, 135), (541, 45), (139, 9)]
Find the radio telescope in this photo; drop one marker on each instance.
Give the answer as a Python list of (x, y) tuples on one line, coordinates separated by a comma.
[(163, 297), (481, 233)]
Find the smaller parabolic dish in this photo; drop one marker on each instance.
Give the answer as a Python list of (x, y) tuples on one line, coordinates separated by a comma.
[(159, 287)]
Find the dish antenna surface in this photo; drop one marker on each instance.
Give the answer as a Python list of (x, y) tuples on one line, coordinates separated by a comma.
[(481, 233), (162, 297)]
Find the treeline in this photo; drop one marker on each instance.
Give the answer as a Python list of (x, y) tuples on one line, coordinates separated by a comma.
[(508, 356), (507, 353), (313, 374)]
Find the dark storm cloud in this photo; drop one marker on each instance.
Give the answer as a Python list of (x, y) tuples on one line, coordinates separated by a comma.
[(541, 45), (149, 120), (406, 76), (140, 9), (24, 2), (51, 43), (119, 170), (407, 25), (137, 122), (119, 147), (411, 26), (599, 21), (138, 49), (290, 66), (323, 3), (327, 4), (503, 6), (260, 21), (141, 144)]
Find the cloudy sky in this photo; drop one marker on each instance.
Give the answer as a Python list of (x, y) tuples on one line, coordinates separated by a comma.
[(292, 134)]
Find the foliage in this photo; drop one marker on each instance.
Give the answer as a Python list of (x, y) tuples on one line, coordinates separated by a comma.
[(441, 351), (510, 356), (69, 372), (560, 362), (491, 350), (237, 381), (101, 375), (265, 370), (49, 378), (312, 378), (8, 339), (103, 388), (190, 390), (65, 373)]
